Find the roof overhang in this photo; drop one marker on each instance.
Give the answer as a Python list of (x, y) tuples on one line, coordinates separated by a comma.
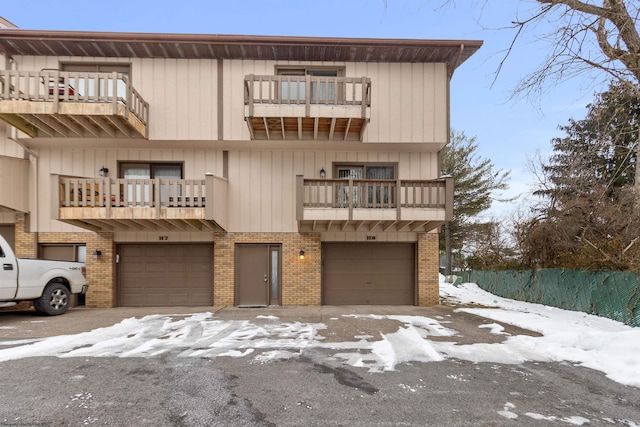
[(215, 46)]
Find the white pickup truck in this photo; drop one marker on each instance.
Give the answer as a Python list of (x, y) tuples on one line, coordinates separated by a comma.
[(48, 284)]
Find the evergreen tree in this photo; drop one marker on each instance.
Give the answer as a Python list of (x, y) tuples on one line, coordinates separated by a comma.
[(599, 151), (474, 179), (588, 217)]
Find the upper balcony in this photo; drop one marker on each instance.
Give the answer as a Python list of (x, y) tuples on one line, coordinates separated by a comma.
[(58, 104), (373, 205), (307, 107), (142, 204)]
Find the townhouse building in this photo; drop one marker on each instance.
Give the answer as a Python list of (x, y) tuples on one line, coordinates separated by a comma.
[(198, 170)]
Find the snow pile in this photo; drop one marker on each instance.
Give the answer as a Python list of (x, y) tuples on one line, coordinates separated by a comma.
[(576, 337), (587, 340)]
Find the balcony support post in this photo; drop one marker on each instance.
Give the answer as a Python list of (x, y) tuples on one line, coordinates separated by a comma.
[(364, 97), (448, 198), (299, 197), (307, 96), (249, 94), (156, 196), (397, 200), (209, 182), (107, 197), (350, 199), (56, 186), (56, 91)]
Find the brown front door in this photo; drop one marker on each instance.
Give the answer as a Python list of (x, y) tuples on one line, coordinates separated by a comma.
[(257, 274)]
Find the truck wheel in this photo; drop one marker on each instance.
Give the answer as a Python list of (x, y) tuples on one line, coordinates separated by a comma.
[(54, 300)]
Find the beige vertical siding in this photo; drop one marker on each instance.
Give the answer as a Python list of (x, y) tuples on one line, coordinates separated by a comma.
[(409, 101), (262, 183), (7, 218), (14, 183), (9, 147), (182, 94), (86, 163)]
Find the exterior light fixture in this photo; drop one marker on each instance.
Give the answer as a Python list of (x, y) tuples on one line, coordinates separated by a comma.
[(301, 254), (96, 254), (104, 172), (323, 173)]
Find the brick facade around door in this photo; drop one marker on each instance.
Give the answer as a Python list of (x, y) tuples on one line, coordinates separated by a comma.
[(301, 279)]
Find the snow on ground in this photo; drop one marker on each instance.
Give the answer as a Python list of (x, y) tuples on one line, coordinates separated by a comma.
[(575, 337)]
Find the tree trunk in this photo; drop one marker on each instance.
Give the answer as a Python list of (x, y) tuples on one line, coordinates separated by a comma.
[(636, 178), (447, 245)]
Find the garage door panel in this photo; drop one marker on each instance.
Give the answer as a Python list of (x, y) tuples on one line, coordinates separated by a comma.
[(366, 273), (166, 275)]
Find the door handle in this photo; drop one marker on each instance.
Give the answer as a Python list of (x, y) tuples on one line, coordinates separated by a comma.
[(7, 267)]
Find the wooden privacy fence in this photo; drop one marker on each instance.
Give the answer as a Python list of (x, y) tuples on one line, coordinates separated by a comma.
[(62, 86)]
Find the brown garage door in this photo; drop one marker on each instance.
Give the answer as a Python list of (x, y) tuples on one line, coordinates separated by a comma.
[(368, 273), (9, 234), (165, 275)]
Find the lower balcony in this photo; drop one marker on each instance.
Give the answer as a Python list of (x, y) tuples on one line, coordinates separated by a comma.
[(373, 205), (107, 205)]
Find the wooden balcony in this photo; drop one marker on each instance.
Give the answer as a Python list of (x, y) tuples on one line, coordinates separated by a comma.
[(373, 205), (307, 107), (57, 104), (142, 204)]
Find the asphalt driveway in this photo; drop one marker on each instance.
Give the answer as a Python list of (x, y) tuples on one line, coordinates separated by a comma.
[(315, 386)]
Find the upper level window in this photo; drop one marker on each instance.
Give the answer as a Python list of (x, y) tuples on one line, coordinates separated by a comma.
[(323, 87), (378, 192), (365, 171), (142, 192), (104, 88), (150, 170)]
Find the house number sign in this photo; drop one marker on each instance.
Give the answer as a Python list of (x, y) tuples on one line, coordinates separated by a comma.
[(163, 237)]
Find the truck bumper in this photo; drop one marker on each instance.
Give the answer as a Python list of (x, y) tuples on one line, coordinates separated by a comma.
[(84, 289)]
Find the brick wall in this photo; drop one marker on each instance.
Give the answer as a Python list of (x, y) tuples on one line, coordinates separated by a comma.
[(300, 282), (428, 279), (100, 272), (26, 244)]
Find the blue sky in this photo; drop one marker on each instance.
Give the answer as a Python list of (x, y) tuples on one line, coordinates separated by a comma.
[(508, 132)]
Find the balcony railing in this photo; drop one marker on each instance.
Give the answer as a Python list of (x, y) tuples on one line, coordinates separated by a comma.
[(307, 90), (138, 200), (307, 107), (62, 87), (115, 193), (392, 204)]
